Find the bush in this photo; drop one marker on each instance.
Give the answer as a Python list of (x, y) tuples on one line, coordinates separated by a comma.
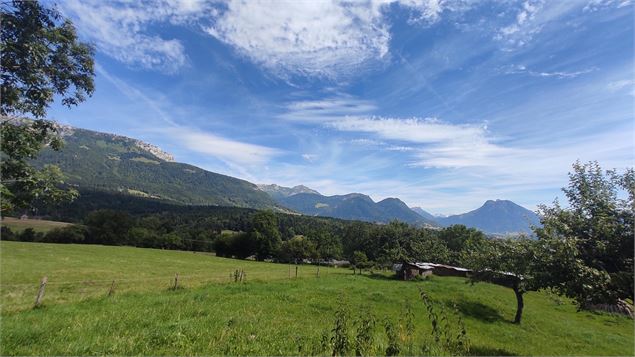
[(6, 233), (70, 234)]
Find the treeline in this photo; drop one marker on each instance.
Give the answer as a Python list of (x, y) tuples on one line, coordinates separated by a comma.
[(265, 235)]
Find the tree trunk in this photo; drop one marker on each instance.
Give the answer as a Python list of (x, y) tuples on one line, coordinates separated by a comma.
[(519, 308)]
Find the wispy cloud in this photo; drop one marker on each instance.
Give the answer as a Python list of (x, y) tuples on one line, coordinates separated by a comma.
[(594, 5), (327, 109), (521, 69), (619, 85), (232, 151), (443, 145), (235, 154), (530, 19), (119, 29)]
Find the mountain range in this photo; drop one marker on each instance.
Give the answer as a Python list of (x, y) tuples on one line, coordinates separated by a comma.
[(353, 206), (101, 161)]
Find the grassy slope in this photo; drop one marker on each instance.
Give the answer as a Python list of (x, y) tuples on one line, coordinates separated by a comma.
[(78, 271), (39, 225), (262, 317)]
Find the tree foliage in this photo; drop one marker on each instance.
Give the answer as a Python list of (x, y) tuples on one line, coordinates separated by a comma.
[(266, 234), (41, 57), (22, 184), (590, 242)]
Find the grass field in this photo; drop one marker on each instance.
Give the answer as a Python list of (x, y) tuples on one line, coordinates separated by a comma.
[(270, 314), (77, 272), (38, 225)]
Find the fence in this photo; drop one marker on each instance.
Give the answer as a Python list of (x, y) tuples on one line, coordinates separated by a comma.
[(24, 295)]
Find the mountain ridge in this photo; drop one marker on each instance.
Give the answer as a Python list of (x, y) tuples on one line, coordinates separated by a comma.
[(96, 160), (353, 206)]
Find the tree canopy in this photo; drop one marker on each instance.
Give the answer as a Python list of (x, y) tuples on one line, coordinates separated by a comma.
[(41, 57), (591, 241)]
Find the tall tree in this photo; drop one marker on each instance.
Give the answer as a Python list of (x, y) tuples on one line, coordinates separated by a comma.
[(41, 57), (591, 240), (266, 234)]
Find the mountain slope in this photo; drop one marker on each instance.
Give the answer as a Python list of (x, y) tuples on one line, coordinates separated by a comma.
[(278, 192), (423, 213), (354, 206), (94, 160), (500, 217)]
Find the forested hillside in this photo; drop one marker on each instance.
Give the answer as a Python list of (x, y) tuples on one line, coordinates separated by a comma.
[(93, 160)]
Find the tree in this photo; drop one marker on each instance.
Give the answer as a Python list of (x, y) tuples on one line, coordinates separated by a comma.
[(266, 234), (327, 246), (297, 249), (458, 238), (510, 263), (359, 261), (40, 57), (591, 242), (108, 227)]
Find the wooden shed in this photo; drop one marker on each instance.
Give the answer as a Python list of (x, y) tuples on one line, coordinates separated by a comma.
[(410, 270)]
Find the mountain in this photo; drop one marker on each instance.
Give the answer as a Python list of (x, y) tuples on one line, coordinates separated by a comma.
[(497, 217), (425, 214), (93, 160), (278, 192), (353, 206)]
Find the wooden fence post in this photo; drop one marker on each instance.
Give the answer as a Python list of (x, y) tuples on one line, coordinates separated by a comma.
[(111, 292), (176, 281), (289, 270), (40, 293), (296, 271), (317, 274)]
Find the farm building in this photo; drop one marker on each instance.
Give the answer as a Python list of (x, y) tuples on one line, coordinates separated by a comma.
[(407, 270)]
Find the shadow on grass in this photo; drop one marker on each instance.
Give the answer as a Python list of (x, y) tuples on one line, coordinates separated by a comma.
[(379, 276), (489, 351), (477, 310)]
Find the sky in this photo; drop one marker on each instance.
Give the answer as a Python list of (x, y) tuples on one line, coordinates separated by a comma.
[(444, 104)]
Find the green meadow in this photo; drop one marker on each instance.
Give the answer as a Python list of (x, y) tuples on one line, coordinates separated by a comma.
[(268, 314)]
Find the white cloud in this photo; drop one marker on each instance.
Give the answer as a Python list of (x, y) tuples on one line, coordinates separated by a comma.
[(119, 30), (309, 157), (617, 86), (428, 130), (312, 38), (521, 69), (321, 38), (327, 109), (530, 20), (595, 5), (442, 145), (236, 154), (231, 151)]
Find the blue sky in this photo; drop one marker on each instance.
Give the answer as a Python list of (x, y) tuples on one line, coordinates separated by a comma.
[(444, 104)]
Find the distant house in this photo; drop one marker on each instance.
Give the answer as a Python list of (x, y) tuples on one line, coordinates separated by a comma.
[(408, 270)]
